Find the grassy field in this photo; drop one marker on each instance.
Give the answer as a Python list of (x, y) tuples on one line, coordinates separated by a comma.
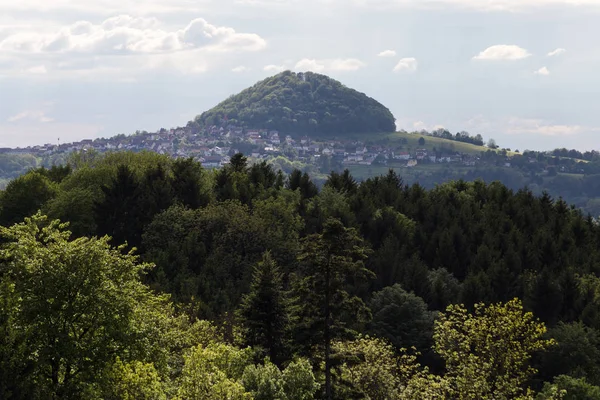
[(410, 142)]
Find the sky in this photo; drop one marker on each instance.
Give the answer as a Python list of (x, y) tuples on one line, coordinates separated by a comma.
[(524, 72)]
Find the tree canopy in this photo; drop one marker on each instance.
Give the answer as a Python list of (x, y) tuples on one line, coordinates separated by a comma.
[(302, 103)]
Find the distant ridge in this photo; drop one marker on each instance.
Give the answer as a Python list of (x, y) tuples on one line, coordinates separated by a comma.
[(302, 103)]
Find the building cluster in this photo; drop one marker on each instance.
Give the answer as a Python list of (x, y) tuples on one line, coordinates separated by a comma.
[(214, 146)]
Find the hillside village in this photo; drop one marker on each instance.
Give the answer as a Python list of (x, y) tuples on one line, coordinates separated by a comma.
[(215, 145)]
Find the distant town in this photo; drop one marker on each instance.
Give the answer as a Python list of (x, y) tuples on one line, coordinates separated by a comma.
[(214, 146)]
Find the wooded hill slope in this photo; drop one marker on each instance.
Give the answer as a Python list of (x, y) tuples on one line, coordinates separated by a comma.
[(259, 264), (302, 103)]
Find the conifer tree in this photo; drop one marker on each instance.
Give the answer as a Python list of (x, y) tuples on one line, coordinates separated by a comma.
[(264, 310), (332, 262)]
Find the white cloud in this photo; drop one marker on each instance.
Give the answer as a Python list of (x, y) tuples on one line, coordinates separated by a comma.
[(241, 68), (124, 34), (120, 46), (349, 64), (518, 126), (273, 68), (387, 53), (407, 64), (542, 71), (503, 52), (31, 115), (545, 128), (556, 52), (418, 125), (310, 65)]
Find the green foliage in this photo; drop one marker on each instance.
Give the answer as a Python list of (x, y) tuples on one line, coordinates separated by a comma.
[(488, 353), (134, 381), (370, 367), (573, 389), (265, 382), (299, 381), (73, 303), (325, 309), (302, 103), (214, 372), (577, 353), (264, 311), (24, 196), (14, 165), (402, 318)]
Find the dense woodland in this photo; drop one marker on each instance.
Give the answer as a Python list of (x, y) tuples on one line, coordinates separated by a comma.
[(301, 103), (137, 276)]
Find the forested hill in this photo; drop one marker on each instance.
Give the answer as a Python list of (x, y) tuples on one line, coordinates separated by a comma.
[(302, 103), (280, 290)]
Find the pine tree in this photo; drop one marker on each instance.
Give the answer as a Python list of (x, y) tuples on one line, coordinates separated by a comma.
[(332, 262), (264, 311), (116, 213)]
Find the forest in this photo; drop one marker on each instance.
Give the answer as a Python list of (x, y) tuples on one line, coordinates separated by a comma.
[(301, 103), (138, 276)]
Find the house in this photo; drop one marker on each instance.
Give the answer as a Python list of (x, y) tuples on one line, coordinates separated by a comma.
[(420, 154), (361, 150), (351, 158), (402, 156), (411, 163), (432, 158)]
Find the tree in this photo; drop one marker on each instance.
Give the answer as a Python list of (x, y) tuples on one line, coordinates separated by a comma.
[(402, 318), (369, 367), (134, 381), (492, 144), (267, 382), (421, 141), (74, 303), (264, 382), (299, 382), (488, 353), (24, 196), (116, 213), (264, 310), (577, 353), (214, 372), (188, 183), (325, 309), (572, 388)]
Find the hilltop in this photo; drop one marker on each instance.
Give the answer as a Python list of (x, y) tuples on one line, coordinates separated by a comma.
[(302, 103)]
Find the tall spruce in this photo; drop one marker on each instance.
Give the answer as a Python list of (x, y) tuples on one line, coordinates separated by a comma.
[(116, 214), (264, 311), (332, 263)]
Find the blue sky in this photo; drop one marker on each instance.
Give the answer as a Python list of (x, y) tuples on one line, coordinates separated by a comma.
[(524, 72)]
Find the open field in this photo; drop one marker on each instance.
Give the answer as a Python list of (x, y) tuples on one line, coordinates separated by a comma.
[(410, 141)]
